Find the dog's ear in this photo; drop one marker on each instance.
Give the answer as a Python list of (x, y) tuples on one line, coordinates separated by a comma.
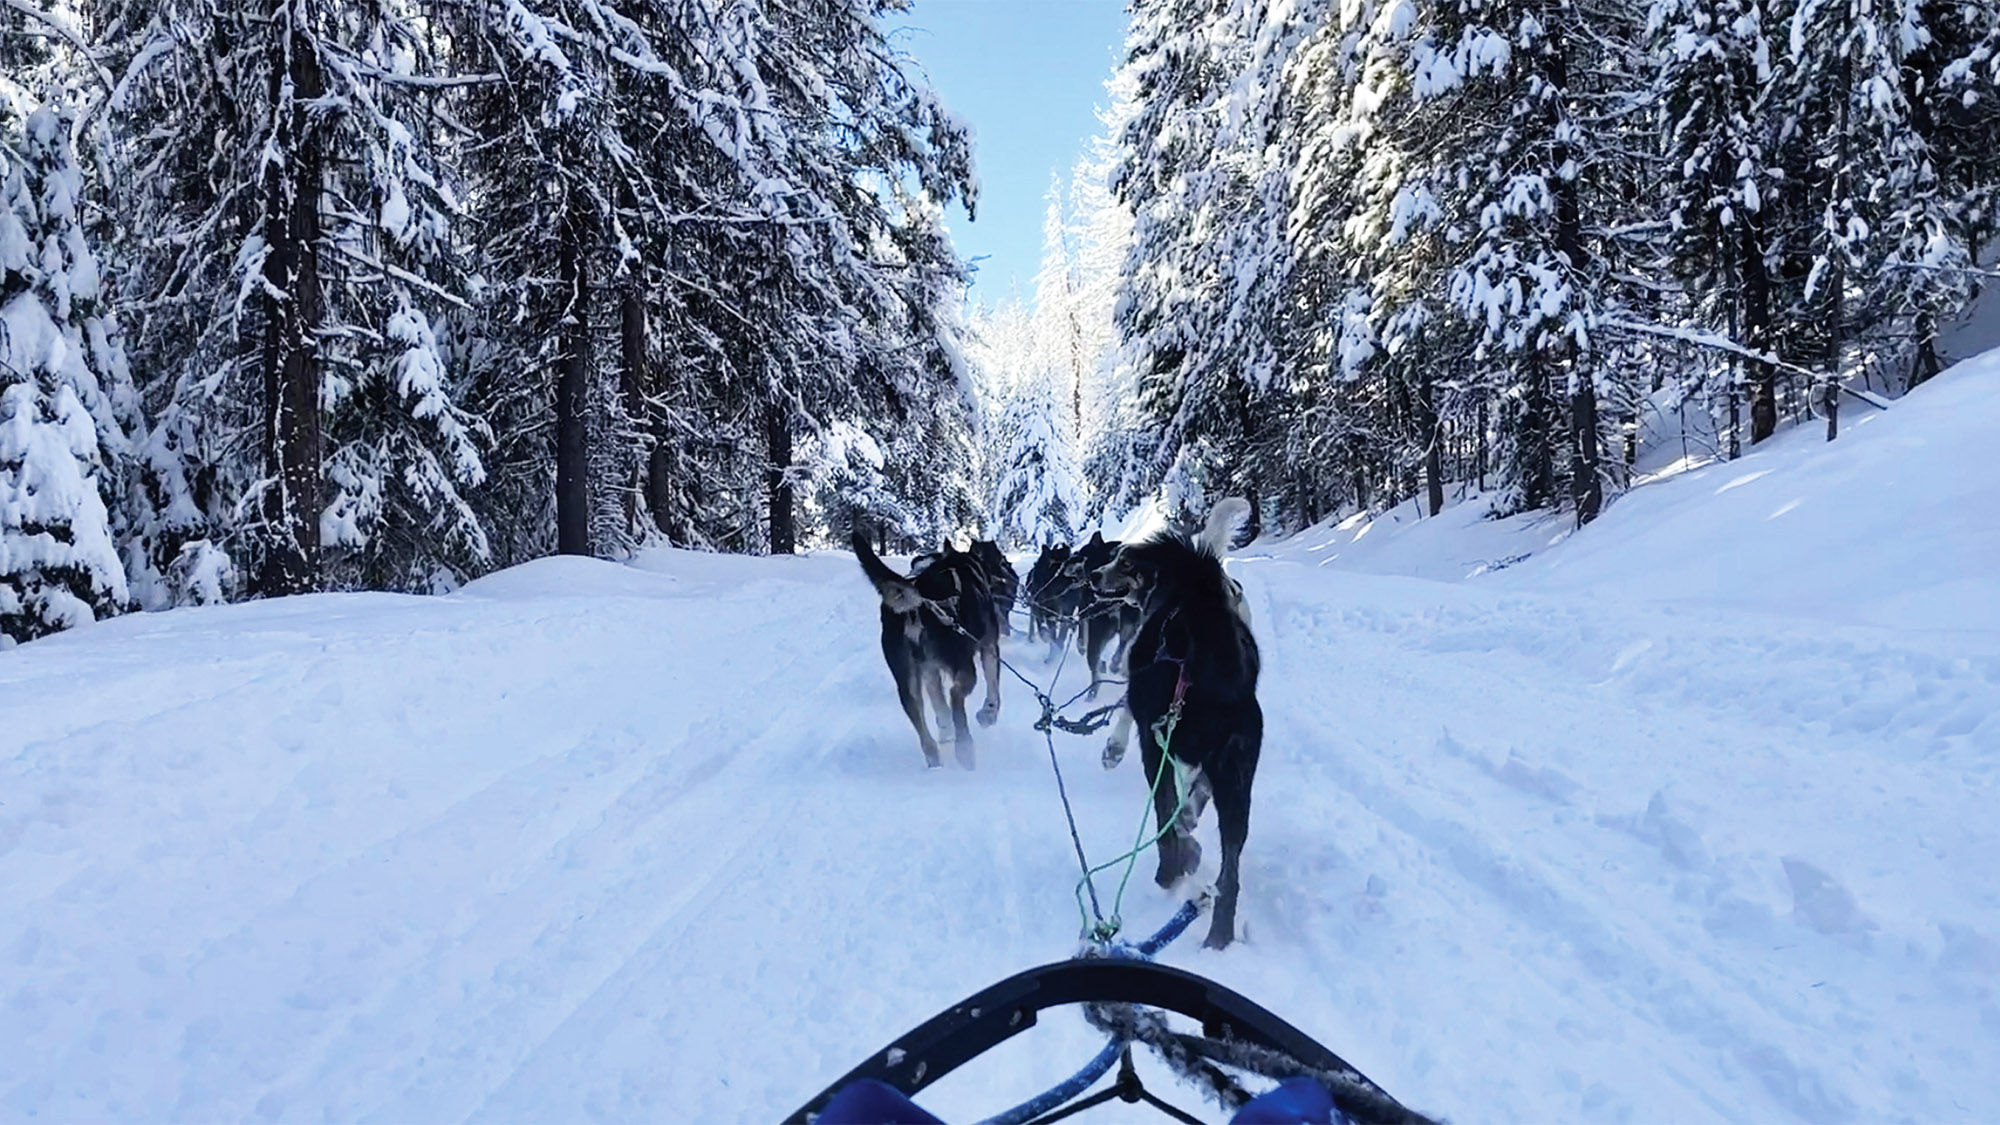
[(1224, 521), (1096, 538)]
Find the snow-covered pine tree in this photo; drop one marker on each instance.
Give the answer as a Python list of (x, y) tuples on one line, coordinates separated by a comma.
[(1059, 346), (546, 171), (1952, 84), (1118, 441), (403, 455), (930, 472), (1201, 343), (1506, 164), (1842, 91), (762, 188), (1099, 229), (66, 405), (290, 242), (867, 273), (1925, 204), (1363, 248), (1000, 339), (1039, 497), (1712, 69)]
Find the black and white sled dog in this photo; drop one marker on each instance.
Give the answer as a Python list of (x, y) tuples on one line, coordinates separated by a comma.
[(1047, 591), (1099, 619), (1195, 658), (940, 628), (1001, 578)]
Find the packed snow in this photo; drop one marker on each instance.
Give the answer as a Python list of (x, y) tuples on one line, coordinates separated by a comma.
[(1687, 816)]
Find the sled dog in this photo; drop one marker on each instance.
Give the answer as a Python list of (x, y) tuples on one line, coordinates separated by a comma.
[(1044, 591), (1101, 618), (940, 627), (1193, 654), (1001, 579)]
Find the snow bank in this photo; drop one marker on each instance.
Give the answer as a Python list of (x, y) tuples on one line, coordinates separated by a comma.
[(1891, 525)]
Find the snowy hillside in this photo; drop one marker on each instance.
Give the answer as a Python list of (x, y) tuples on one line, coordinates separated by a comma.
[(1686, 817), (1892, 525)]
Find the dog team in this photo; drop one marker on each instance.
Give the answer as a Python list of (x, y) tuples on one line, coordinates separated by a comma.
[(1173, 619)]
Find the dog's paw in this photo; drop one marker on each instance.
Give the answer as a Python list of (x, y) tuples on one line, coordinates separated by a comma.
[(1114, 753), (989, 714), (1177, 862)]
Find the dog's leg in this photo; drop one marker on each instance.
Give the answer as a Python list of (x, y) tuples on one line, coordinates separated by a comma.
[(1232, 811), (934, 688), (961, 747), (1114, 747), (1199, 792), (1128, 631), (1099, 631), (1179, 854), (989, 660), (913, 706)]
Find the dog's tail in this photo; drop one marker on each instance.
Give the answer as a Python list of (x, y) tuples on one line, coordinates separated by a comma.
[(1224, 521), (898, 592)]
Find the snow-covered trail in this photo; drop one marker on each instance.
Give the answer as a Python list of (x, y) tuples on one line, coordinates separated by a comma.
[(1646, 864), (599, 842)]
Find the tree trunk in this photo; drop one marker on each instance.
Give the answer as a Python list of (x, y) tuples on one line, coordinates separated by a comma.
[(572, 389), (1535, 435), (1734, 299), (1479, 454), (1925, 363), (777, 480), (1757, 330), (1835, 330), (1586, 485), (632, 389), (659, 494), (292, 437), (1402, 480), (1735, 416), (1427, 424)]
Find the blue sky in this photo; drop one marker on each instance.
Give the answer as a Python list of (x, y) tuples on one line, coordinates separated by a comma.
[(1028, 76)]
